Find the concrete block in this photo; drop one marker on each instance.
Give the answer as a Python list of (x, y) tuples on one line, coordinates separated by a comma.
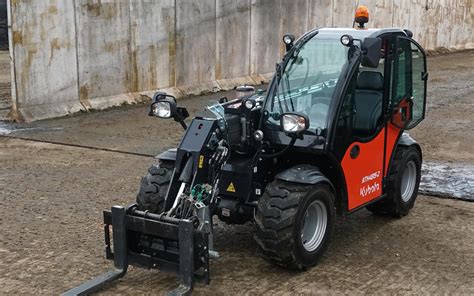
[(173, 91), (381, 12), (265, 35), (232, 39), (152, 44), (195, 41), (112, 101), (262, 78), (44, 51), (343, 13), (294, 20), (320, 13), (103, 46), (76, 55), (231, 83), (199, 88)]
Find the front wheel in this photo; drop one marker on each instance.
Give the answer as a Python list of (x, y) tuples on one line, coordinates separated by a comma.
[(154, 186), (294, 223)]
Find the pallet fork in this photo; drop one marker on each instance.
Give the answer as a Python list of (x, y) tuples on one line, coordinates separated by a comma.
[(152, 241)]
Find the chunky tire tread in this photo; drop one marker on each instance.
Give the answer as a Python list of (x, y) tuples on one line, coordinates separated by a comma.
[(393, 204), (275, 222), (154, 186)]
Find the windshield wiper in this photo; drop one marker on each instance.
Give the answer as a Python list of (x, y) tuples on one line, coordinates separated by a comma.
[(289, 93)]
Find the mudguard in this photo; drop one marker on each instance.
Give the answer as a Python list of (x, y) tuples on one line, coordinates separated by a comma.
[(406, 140), (304, 174), (169, 155)]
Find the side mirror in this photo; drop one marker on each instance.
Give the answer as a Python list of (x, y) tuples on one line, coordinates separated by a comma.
[(294, 123), (371, 48), (165, 106)]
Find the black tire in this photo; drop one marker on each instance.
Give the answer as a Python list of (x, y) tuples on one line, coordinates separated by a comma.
[(154, 186), (279, 218), (394, 204)]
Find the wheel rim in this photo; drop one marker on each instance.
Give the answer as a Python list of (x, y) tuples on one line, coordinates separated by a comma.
[(314, 225), (408, 181)]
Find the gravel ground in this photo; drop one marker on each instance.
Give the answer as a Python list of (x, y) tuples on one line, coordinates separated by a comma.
[(52, 196), (51, 236)]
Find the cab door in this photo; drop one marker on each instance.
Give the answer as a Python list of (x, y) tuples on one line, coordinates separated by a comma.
[(410, 76), (407, 101), (360, 133)]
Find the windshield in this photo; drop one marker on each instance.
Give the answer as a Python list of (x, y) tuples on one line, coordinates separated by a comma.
[(308, 81)]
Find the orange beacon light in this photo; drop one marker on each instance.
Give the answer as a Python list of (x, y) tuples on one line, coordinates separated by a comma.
[(361, 16)]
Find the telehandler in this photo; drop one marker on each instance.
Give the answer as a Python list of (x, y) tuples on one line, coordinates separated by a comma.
[(328, 137)]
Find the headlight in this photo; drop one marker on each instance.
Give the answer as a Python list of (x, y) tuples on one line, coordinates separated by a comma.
[(288, 39), (162, 109), (347, 40), (249, 104), (294, 123)]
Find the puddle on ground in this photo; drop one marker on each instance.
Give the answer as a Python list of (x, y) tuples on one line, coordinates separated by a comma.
[(8, 128), (446, 179), (5, 128)]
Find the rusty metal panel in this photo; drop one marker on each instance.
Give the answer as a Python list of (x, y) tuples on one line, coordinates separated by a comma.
[(232, 39), (152, 44), (103, 46), (44, 51), (195, 41), (265, 38)]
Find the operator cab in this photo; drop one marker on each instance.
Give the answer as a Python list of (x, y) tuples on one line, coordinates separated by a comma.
[(318, 74), (359, 90)]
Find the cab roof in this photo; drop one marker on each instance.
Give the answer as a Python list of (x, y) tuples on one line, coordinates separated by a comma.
[(359, 34)]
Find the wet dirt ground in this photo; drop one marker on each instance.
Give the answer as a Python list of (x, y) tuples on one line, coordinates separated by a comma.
[(52, 197)]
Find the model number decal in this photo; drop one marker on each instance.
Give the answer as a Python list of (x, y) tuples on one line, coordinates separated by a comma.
[(370, 177)]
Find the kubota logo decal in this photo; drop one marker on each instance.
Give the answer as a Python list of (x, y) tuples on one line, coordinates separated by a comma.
[(368, 189)]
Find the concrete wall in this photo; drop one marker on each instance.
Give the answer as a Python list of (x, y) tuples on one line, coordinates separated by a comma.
[(71, 55)]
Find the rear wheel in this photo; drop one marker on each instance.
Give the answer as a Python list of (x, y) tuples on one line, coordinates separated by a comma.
[(294, 223), (403, 182), (154, 187)]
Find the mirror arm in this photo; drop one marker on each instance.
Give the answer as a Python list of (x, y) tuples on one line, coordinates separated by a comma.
[(281, 152), (180, 116), (183, 124)]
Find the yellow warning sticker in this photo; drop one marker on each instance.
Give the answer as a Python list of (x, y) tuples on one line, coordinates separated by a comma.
[(201, 161), (231, 187)]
